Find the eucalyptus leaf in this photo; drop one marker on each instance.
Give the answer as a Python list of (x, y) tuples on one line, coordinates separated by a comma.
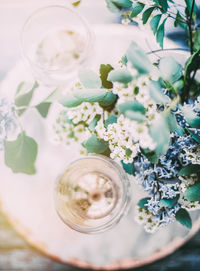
[(131, 106), (20, 154), (90, 95), (173, 125), (138, 59), (192, 193), (95, 145), (120, 75), (94, 122), (142, 203), (137, 116), (189, 169), (108, 100), (104, 71), (110, 120), (157, 94), (160, 134), (70, 101), (170, 69), (89, 79), (183, 217)]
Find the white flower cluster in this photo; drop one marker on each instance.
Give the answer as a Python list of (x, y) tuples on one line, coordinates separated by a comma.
[(137, 90), (193, 156), (144, 217), (66, 132), (125, 137), (84, 112), (186, 182)]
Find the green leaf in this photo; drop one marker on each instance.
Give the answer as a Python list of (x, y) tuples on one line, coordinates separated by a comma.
[(192, 64), (123, 3), (89, 79), (128, 168), (146, 14), (90, 95), (112, 6), (121, 76), (70, 101), (190, 116), (43, 108), (189, 169), (170, 69), (194, 135), (184, 218), (138, 59), (160, 133), (94, 122), (173, 125), (95, 145), (109, 100), (137, 8), (164, 5), (179, 21), (155, 22), (110, 120), (161, 33), (157, 94), (142, 203), (131, 106), (104, 71), (196, 40), (192, 193), (20, 155), (24, 99), (168, 203), (137, 116)]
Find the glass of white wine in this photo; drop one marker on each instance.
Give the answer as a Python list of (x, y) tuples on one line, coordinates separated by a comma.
[(55, 41), (92, 194)]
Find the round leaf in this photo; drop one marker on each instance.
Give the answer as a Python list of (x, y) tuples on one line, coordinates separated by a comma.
[(170, 69), (20, 155), (121, 76)]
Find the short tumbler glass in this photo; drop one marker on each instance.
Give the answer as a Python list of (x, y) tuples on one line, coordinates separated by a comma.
[(55, 41), (92, 194)]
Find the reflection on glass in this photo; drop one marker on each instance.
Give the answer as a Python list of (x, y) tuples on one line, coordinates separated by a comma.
[(55, 41)]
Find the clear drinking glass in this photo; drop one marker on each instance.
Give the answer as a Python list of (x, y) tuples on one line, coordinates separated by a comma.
[(92, 194), (55, 41)]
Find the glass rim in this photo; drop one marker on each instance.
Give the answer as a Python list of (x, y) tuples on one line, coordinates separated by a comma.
[(125, 201), (89, 38)]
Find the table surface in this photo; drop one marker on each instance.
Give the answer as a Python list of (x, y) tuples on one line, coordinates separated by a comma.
[(15, 253)]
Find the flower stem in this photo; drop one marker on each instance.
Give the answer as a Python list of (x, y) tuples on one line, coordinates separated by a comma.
[(190, 28)]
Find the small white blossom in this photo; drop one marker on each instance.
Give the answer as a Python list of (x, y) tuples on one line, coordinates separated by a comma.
[(66, 132), (84, 112)]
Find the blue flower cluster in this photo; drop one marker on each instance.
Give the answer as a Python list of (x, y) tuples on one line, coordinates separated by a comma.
[(8, 123), (161, 180)]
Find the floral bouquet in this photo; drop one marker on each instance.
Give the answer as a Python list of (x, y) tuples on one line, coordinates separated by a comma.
[(144, 114)]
